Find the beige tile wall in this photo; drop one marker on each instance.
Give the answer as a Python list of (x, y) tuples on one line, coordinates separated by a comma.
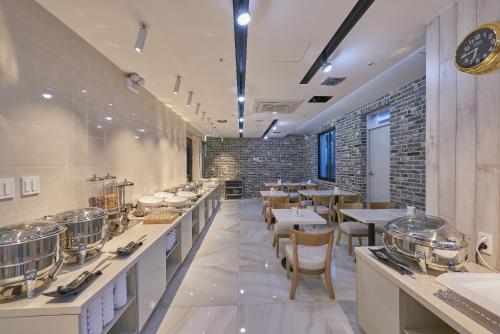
[(66, 139)]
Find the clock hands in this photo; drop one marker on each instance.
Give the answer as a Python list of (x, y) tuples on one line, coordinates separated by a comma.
[(468, 53)]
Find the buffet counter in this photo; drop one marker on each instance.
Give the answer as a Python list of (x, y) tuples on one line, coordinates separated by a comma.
[(388, 302), (147, 271)]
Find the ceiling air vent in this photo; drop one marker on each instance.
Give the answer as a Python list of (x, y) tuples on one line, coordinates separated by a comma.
[(332, 81), (222, 121), (319, 99), (277, 106)]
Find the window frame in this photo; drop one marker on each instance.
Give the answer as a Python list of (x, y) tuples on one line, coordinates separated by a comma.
[(328, 179)]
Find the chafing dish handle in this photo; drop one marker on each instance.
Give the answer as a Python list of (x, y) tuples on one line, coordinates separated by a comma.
[(30, 277), (421, 258), (82, 252), (56, 267), (103, 242)]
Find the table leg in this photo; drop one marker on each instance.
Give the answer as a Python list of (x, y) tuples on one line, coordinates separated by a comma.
[(283, 260), (371, 234)]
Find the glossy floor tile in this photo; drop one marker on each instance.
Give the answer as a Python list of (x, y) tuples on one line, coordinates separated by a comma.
[(235, 284)]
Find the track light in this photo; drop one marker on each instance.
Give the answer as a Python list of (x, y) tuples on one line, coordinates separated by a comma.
[(242, 119), (190, 99), (241, 99), (265, 137), (244, 18), (47, 95), (177, 85), (241, 130), (327, 67), (203, 116), (197, 110), (275, 127), (141, 39)]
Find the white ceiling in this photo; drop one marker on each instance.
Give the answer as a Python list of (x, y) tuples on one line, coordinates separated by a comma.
[(194, 39)]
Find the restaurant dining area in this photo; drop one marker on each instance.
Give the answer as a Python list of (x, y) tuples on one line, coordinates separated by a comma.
[(250, 166)]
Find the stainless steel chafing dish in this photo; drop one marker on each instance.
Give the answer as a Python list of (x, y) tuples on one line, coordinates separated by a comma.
[(29, 252), (428, 240), (84, 235)]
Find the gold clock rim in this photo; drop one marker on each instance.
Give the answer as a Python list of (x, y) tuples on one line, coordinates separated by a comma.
[(492, 61)]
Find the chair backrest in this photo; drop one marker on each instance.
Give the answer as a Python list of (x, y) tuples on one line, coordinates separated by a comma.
[(340, 206), (326, 200), (293, 188), (285, 205), (273, 200), (350, 199), (381, 205), (311, 239), (312, 186)]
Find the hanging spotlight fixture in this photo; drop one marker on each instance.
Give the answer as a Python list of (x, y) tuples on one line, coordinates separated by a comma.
[(141, 39), (190, 99), (177, 85), (203, 116), (197, 110), (327, 67)]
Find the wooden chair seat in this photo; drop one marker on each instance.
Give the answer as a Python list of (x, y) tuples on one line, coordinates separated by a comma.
[(320, 209), (354, 228), (310, 257)]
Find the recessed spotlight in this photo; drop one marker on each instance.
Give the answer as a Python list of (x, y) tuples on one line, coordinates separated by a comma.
[(99, 126), (242, 119), (244, 18), (47, 95), (136, 137), (84, 91), (110, 104), (241, 99), (275, 127), (265, 137), (275, 112), (177, 85), (243, 330), (109, 118), (189, 100), (142, 130), (327, 67), (141, 39)]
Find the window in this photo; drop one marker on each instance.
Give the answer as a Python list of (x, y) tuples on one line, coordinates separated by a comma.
[(326, 155)]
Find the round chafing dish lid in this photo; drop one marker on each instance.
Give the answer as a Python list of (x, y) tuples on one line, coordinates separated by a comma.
[(124, 183), (187, 194), (79, 215), (28, 231), (426, 230), (163, 194)]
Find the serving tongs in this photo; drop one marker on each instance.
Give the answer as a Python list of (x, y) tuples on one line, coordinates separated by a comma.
[(80, 282), (130, 247), (383, 255)]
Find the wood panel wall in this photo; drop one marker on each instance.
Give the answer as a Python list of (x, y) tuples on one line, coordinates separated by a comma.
[(463, 129)]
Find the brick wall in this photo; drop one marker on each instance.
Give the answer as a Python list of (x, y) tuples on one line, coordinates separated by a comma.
[(256, 161)]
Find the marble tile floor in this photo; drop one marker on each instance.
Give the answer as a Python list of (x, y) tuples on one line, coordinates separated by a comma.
[(232, 282)]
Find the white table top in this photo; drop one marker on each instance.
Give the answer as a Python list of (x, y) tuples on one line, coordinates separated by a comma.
[(285, 184), (375, 216), (305, 217), (325, 192), (276, 193)]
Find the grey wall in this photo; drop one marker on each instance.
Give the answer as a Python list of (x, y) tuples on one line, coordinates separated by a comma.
[(256, 161)]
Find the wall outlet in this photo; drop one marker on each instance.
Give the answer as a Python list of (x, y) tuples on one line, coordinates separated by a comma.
[(487, 238)]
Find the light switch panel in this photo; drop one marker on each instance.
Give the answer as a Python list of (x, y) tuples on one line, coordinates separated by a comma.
[(30, 185), (7, 188)]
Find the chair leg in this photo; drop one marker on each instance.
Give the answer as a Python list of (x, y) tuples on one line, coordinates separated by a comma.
[(277, 247), (360, 241), (274, 241), (287, 268), (349, 245), (294, 284), (339, 236), (329, 285)]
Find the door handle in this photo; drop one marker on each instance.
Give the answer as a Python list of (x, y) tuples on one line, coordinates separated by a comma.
[(371, 173)]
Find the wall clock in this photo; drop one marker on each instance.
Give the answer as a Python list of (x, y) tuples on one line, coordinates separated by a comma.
[(479, 52)]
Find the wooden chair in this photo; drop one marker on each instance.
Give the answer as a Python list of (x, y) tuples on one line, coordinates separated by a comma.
[(273, 201), (381, 205), (309, 253), (281, 231), (350, 199), (312, 186), (304, 202), (323, 206), (292, 192), (351, 228)]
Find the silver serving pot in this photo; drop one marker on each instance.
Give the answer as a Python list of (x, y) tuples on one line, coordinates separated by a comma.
[(84, 235), (428, 240), (29, 251)]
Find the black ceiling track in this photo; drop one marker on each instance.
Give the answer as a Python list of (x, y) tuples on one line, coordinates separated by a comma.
[(240, 47), (269, 128), (350, 21)]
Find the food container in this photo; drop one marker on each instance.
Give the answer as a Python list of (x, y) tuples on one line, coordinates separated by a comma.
[(111, 199), (189, 195), (163, 195), (176, 201), (84, 235), (125, 190), (96, 192), (28, 252), (428, 240)]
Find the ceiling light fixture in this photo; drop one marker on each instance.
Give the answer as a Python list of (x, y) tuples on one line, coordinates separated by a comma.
[(241, 99), (241, 130), (47, 95), (242, 119), (244, 18), (265, 137), (203, 116), (327, 67), (109, 118), (189, 100), (275, 127), (177, 85), (142, 130), (197, 110), (141, 39)]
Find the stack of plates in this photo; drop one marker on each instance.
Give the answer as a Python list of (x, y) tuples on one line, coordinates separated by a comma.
[(120, 292), (108, 310), (170, 239), (189, 195), (176, 201), (163, 194), (150, 201), (94, 316)]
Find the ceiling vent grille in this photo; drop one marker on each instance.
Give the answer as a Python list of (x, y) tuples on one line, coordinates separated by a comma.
[(332, 81), (277, 106)]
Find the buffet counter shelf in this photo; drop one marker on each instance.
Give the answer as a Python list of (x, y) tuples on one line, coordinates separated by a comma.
[(389, 302), (148, 260)]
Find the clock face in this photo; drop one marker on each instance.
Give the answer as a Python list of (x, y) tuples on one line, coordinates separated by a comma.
[(476, 47)]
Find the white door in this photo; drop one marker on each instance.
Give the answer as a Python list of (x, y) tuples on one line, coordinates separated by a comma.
[(379, 155)]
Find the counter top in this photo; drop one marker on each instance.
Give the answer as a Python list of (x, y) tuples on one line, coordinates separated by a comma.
[(43, 305), (422, 288)]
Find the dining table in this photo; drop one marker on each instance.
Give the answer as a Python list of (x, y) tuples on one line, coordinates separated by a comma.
[(276, 193), (308, 193), (286, 184), (375, 217), (295, 218)]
